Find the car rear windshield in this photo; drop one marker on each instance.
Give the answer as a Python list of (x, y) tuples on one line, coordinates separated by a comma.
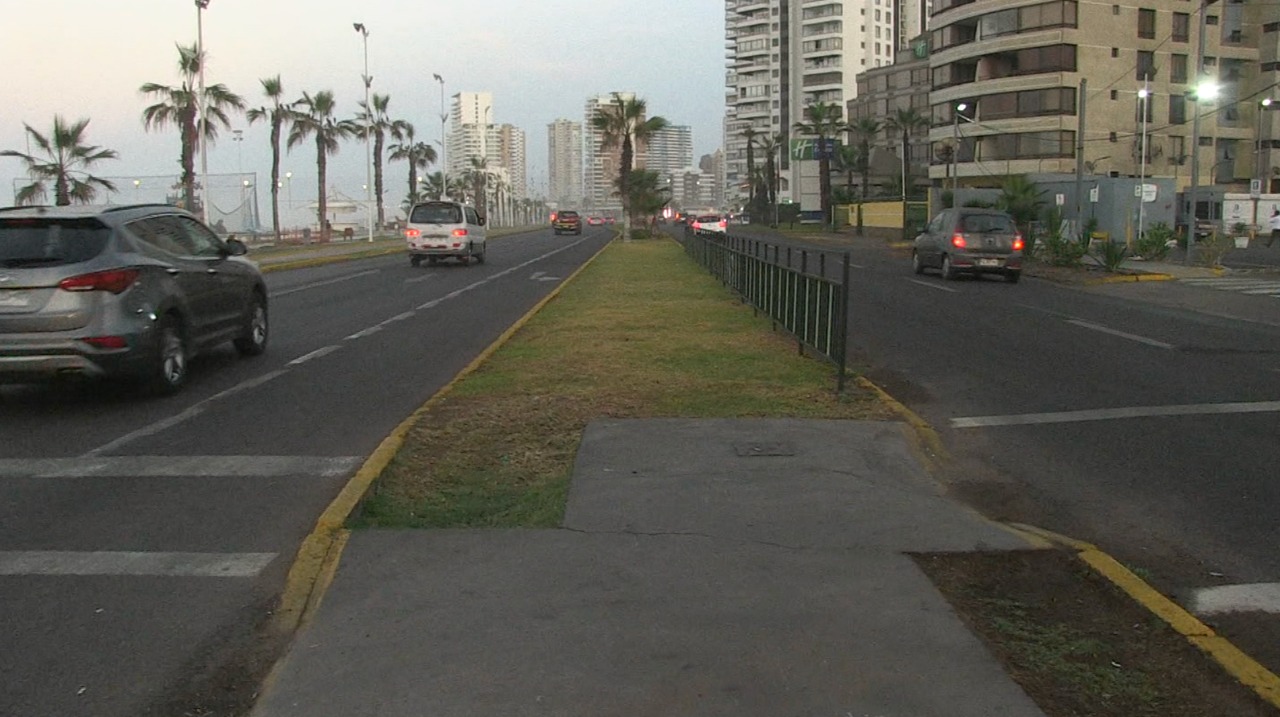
[(38, 241), (568, 215), (436, 214), (709, 218), (987, 223)]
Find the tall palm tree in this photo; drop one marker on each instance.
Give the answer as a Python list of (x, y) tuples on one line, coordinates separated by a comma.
[(179, 106), (750, 133), (849, 161), (826, 120), (419, 155), (773, 146), (866, 129), (906, 122), (1022, 199), (277, 113), (440, 185), (622, 123), (379, 124), (476, 180), (313, 116), (65, 161)]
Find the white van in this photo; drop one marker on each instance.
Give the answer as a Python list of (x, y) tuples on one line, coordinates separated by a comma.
[(444, 228)]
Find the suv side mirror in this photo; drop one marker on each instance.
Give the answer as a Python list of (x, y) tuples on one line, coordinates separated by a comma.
[(235, 247)]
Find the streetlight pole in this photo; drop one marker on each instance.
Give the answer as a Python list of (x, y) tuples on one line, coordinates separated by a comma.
[(955, 141), (1200, 94), (443, 117), (368, 148), (1145, 95), (1263, 105), (137, 190), (204, 121)]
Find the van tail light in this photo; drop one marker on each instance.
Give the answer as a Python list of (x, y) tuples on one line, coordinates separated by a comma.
[(697, 225), (957, 241), (723, 224), (114, 281), (107, 342), (412, 233), (1017, 242), (459, 232)]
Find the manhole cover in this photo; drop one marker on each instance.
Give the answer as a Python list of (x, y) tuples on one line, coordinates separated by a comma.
[(759, 448)]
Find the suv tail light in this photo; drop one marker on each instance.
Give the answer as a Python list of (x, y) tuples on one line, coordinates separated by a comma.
[(957, 241), (107, 342), (459, 232), (412, 233), (114, 281), (1017, 242)]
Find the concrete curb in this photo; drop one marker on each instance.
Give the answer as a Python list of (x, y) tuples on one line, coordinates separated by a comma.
[(934, 452), (1128, 278), (1238, 664), (331, 259)]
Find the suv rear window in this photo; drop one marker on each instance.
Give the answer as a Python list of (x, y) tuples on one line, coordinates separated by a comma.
[(50, 242), (980, 223), (567, 214), (442, 213)]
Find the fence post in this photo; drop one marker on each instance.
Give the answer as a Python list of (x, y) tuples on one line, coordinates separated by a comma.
[(843, 323)]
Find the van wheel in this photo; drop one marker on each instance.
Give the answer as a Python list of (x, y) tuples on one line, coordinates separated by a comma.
[(480, 256), (415, 260), (432, 261)]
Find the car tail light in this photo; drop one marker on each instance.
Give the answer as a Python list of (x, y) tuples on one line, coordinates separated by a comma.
[(459, 232), (697, 225), (957, 241), (1017, 242), (114, 281), (107, 342), (723, 224), (412, 233)]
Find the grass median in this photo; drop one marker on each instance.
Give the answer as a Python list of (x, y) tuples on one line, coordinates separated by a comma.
[(642, 332)]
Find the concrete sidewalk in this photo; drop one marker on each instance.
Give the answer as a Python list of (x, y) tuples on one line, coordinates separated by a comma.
[(705, 567)]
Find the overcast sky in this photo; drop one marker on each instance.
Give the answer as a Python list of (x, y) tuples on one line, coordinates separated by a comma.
[(541, 60)]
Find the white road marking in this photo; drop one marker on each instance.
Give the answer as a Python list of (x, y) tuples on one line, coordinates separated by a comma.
[(326, 282), (1110, 414), (424, 277), (933, 285), (398, 317), (1259, 597), (1113, 332), (542, 276), (179, 565), (314, 355), (179, 466), (364, 333)]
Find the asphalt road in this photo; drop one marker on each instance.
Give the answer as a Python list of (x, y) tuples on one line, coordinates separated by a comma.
[(142, 541)]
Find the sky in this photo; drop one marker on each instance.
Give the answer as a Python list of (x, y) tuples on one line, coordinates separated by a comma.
[(541, 60)]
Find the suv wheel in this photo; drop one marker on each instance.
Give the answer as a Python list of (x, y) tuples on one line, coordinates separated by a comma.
[(169, 372), (253, 340)]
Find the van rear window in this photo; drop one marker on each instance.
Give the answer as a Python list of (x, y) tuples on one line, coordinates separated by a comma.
[(50, 242), (436, 214)]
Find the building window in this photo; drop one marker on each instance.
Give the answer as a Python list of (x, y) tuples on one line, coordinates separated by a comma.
[(1146, 65), (1115, 52), (1206, 141), (1211, 20), (1181, 27), (1115, 9), (1115, 94), (1138, 107), (1177, 109), (1147, 24), (1112, 136), (1178, 69)]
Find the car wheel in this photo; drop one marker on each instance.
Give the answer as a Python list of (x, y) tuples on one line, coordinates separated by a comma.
[(169, 370), (415, 260), (916, 264), (253, 341), (948, 271), (1012, 276)]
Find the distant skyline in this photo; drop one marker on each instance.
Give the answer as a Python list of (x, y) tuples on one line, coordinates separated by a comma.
[(87, 59)]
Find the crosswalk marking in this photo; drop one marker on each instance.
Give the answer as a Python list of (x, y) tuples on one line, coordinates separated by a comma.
[(1251, 287), (178, 466), (183, 565), (1259, 597)]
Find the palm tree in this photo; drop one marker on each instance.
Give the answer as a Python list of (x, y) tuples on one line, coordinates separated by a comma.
[(1021, 198), (417, 154), (379, 124), (866, 129), (826, 119), (649, 194), (65, 161), (906, 122), (849, 160), (313, 117), (772, 146), (750, 133), (476, 180), (277, 113), (179, 106), (622, 124), (440, 185)]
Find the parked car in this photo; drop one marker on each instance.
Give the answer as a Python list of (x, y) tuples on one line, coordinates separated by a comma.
[(567, 222), (710, 223), (970, 241), (442, 229), (128, 291)]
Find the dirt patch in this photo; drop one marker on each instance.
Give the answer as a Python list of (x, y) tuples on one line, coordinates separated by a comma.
[(1079, 646)]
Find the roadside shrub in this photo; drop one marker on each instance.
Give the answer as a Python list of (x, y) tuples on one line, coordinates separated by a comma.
[(1153, 245), (1111, 254), (1213, 248)]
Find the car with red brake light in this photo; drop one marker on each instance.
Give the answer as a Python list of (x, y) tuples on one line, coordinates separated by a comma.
[(710, 223), (444, 229), (969, 240), (567, 221), (595, 221)]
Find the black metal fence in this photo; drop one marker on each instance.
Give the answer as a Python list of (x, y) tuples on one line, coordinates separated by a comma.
[(789, 285)]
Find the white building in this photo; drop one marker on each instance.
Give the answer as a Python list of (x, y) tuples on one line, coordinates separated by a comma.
[(471, 119), (564, 158)]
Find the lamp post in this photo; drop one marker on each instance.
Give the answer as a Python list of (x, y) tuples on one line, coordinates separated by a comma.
[(1145, 95), (955, 140), (137, 190), (368, 148), (1205, 90), (200, 99), (443, 117), (238, 138)]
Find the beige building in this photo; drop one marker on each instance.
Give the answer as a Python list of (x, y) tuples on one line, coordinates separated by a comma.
[(882, 92), (564, 160), (1017, 65)]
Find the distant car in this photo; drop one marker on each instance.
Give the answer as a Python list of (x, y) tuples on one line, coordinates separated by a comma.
[(970, 241), (567, 222), (129, 291), (595, 221), (444, 229), (710, 223), (610, 220)]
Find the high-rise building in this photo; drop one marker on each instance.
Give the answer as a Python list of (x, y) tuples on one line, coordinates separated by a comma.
[(670, 150), (601, 165), (564, 162), (471, 118), (510, 155)]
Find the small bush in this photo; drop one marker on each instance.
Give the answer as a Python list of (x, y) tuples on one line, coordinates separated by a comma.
[(1153, 245), (1111, 254), (1213, 248)]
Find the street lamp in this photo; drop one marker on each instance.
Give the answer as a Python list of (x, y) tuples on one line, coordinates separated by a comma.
[(955, 141), (201, 5), (1144, 94), (137, 190), (443, 116), (1205, 90), (368, 149), (238, 138)]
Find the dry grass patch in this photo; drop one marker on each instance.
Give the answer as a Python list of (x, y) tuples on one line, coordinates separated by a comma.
[(643, 332)]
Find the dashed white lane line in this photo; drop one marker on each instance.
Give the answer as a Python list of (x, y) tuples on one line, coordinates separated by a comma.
[(204, 565), (314, 355), (1111, 414), (933, 285), (326, 282), (365, 333), (1257, 597), (1120, 334)]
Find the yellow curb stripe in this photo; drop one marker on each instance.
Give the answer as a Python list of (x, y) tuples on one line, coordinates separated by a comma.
[(1232, 659), (1128, 278), (928, 437), (317, 559)]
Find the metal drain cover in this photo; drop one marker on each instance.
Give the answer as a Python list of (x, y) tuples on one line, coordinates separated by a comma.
[(764, 448)]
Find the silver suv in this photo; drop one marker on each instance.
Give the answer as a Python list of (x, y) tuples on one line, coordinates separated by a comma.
[(121, 291)]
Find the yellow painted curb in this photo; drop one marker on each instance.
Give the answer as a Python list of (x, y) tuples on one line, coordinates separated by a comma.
[(928, 437), (1129, 278), (316, 562), (1238, 664)]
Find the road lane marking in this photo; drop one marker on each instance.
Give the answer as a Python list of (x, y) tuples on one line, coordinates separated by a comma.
[(416, 279), (933, 285), (1111, 414), (1121, 334), (1257, 597), (364, 333), (398, 317), (314, 355), (174, 565), (179, 466), (326, 282)]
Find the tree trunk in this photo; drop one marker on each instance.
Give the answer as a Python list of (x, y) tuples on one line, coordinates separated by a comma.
[(624, 185), (378, 141), (322, 201), (189, 139), (275, 174)]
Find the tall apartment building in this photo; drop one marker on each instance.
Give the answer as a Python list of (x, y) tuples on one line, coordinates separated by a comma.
[(786, 54), (471, 119), (1018, 72), (601, 166), (510, 155), (564, 162), (670, 150)]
